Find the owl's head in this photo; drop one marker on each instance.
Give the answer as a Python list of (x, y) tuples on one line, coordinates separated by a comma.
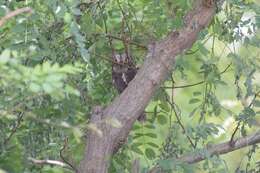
[(121, 59), (121, 62)]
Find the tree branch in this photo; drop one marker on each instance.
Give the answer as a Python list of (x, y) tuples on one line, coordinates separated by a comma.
[(14, 13), (179, 122), (49, 162), (63, 157), (217, 149), (198, 83), (224, 148), (14, 129)]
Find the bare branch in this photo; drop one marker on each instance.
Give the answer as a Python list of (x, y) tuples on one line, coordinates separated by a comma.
[(224, 148), (180, 123), (49, 162), (64, 147), (14, 13), (198, 83), (218, 149), (14, 129)]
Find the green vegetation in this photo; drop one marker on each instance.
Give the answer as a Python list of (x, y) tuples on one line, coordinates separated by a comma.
[(55, 66)]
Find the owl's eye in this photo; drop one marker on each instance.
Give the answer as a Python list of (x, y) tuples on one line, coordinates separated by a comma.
[(118, 58)]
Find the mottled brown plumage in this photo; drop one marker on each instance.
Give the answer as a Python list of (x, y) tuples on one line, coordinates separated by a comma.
[(123, 71)]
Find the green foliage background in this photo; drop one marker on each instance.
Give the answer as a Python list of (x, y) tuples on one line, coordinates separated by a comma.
[(54, 67)]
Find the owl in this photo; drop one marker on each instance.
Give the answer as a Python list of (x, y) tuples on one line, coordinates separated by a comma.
[(123, 71)]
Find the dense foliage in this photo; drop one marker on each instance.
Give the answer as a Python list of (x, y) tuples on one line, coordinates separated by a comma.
[(55, 65)]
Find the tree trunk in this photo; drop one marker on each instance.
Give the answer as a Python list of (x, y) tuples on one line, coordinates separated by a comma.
[(103, 139)]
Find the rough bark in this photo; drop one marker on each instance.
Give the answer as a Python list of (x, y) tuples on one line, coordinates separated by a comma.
[(129, 105)]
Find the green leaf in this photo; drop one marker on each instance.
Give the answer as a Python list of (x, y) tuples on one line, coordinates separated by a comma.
[(165, 106), (257, 103), (138, 135), (150, 154), (48, 88), (249, 111), (137, 144), (197, 93), (152, 144), (203, 49), (137, 150), (194, 100), (161, 119), (77, 134), (152, 135), (193, 112), (150, 126), (2, 11), (167, 164), (35, 87)]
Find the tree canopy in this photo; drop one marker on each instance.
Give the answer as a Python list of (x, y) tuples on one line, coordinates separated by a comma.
[(198, 81)]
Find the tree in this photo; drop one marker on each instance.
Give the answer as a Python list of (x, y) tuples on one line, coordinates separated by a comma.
[(55, 68)]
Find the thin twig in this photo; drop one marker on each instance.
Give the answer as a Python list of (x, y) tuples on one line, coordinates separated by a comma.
[(231, 141), (190, 52), (179, 122), (129, 41), (124, 15), (255, 96), (186, 86), (114, 62), (172, 99), (19, 120), (64, 159), (198, 83)]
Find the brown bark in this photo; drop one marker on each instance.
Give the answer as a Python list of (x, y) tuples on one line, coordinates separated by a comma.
[(129, 105)]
